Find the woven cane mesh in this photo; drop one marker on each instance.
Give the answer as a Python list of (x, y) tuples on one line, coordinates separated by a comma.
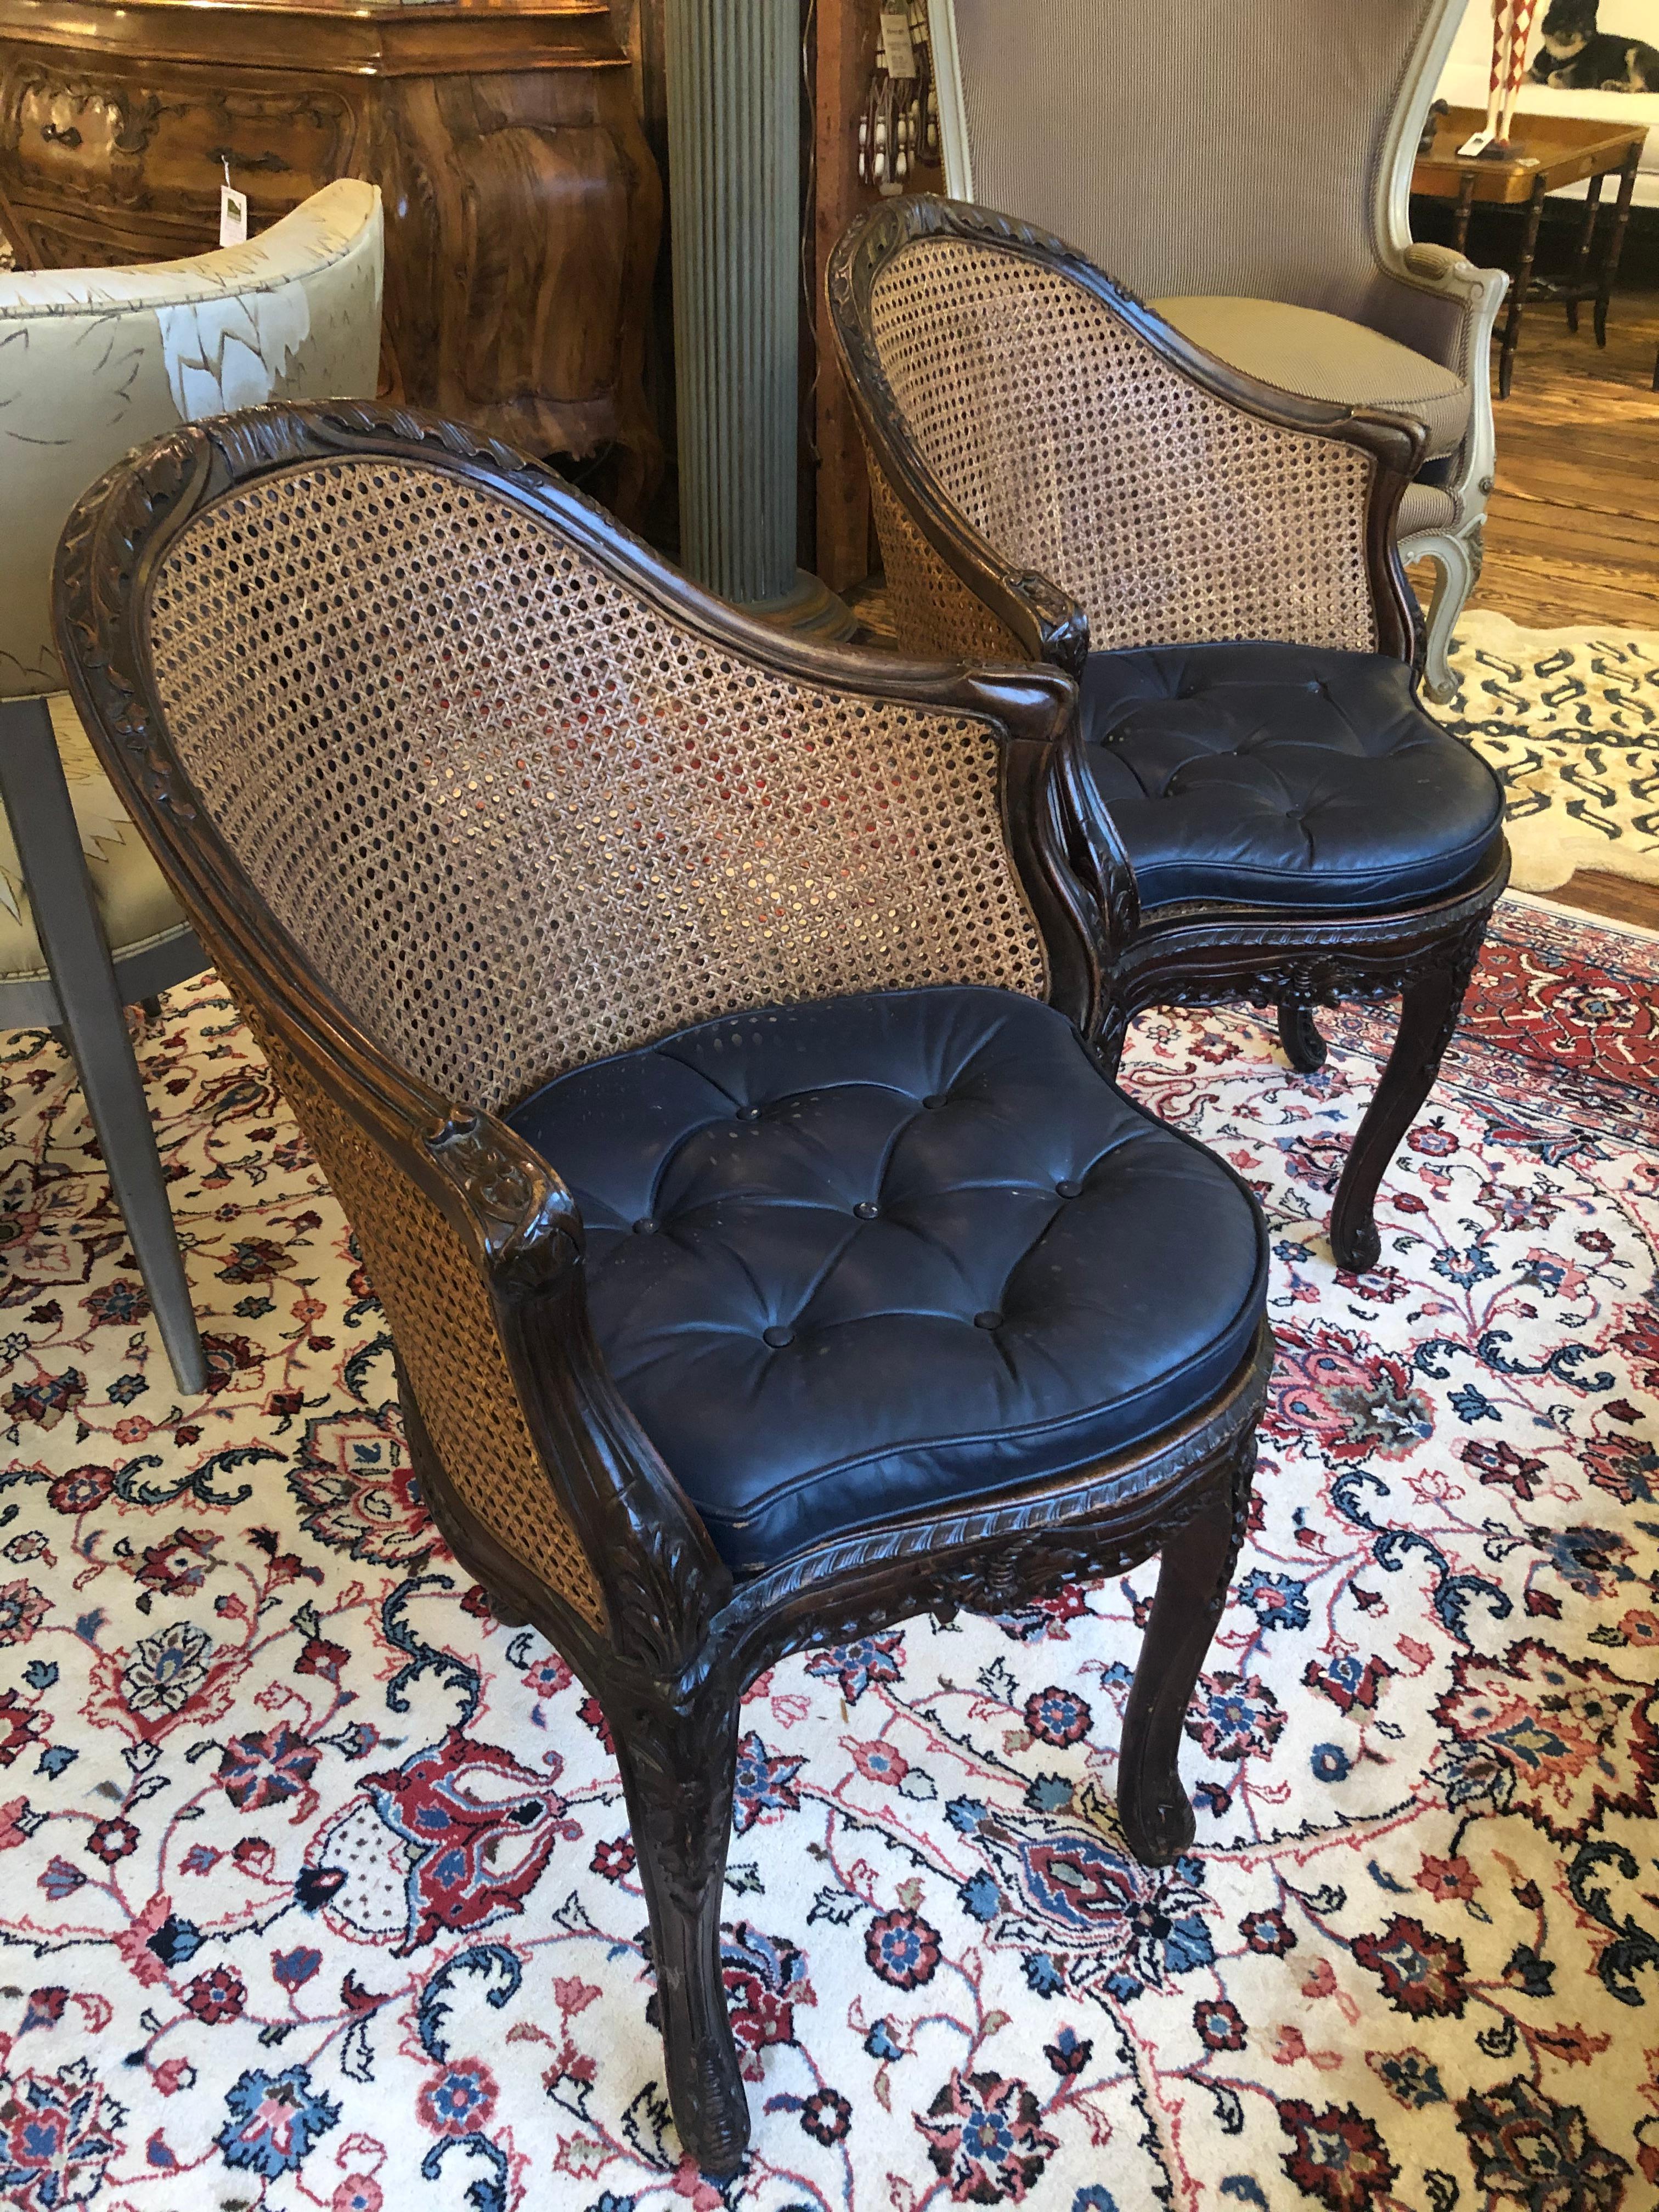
[(932, 609), (1173, 517), (441, 1322), (518, 819)]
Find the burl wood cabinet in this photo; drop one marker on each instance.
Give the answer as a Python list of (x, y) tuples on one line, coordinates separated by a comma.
[(523, 205)]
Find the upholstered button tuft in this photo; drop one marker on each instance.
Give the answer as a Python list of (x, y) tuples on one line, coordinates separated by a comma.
[(862, 1387), (1069, 1189), (1311, 779), (749, 1112), (866, 1209), (936, 1098), (644, 1226)]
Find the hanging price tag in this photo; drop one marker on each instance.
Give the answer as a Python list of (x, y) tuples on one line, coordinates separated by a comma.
[(233, 213), (899, 57)]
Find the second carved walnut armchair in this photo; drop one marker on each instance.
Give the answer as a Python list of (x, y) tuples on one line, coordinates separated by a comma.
[(1057, 471), (698, 1028)]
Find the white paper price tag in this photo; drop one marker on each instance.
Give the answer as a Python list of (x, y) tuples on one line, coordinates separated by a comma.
[(900, 55), (1473, 147), (232, 217)]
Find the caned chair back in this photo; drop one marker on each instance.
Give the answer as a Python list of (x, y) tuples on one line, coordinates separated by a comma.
[(1083, 438), (516, 809), (460, 787)]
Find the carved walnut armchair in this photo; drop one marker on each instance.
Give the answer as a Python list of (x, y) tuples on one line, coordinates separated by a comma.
[(696, 1026), (1058, 473)]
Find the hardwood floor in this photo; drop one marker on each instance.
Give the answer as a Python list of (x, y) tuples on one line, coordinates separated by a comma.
[(1572, 532)]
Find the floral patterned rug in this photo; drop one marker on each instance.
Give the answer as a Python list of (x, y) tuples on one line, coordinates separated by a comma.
[(315, 1883), (1569, 720)]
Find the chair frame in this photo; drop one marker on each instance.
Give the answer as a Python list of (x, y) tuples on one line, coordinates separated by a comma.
[(680, 1635), (1457, 547), (84, 997), (1198, 953)]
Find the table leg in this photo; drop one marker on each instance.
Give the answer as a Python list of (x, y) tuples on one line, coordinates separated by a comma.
[(1465, 201), (1519, 290), (1586, 240), (1615, 244)]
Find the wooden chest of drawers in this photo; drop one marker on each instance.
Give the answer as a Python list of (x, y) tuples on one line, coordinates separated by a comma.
[(523, 205)]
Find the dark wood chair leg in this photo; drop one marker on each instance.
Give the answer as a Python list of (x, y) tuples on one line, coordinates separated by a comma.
[(1194, 1569), (1298, 1033), (1115, 1031), (678, 1769), (1586, 239), (1519, 290), (1428, 1021)]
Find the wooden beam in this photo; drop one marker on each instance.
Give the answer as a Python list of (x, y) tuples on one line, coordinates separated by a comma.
[(845, 59)]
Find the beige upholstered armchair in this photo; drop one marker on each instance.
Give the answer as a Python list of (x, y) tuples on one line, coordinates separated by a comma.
[(91, 362), (1247, 173)]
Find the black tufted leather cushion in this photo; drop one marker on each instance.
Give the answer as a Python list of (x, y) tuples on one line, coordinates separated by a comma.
[(1281, 776), (852, 1258)]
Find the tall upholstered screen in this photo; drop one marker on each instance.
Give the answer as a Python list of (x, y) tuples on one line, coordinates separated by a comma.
[(1195, 147)]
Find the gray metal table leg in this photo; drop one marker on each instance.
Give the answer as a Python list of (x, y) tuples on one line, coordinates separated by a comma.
[(37, 803)]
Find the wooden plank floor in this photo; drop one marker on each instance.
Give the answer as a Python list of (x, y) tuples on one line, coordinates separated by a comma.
[(1572, 532)]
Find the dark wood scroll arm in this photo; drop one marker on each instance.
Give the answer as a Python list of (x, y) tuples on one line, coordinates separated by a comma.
[(662, 1579)]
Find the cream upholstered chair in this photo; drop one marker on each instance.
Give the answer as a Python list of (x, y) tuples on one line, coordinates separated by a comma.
[(92, 362), (1247, 173)]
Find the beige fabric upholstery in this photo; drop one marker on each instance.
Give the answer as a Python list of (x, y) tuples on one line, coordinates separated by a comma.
[(1328, 357), (1209, 150), (93, 362), (1427, 506), (134, 903), (1197, 150)]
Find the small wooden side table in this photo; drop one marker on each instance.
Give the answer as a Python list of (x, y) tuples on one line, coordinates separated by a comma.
[(1550, 151)]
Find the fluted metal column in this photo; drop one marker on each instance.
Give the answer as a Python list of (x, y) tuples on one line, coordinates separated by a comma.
[(734, 178)]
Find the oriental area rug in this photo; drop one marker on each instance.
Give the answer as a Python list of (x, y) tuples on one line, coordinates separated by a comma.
[(316, 1886), (1569, 720)]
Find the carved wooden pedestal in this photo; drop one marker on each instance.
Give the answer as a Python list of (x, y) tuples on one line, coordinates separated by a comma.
[(522, 204)]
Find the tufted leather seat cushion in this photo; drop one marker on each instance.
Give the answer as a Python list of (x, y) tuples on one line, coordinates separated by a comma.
[(859, 1257), (1283, 775)]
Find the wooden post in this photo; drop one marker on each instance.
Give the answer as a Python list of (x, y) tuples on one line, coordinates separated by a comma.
[(846, 60)]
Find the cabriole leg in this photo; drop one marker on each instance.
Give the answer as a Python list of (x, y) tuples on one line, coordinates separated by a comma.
[(1298, 1033), (1456, 555), (1194, 1571), (678, 1769), (1428, 1022)]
